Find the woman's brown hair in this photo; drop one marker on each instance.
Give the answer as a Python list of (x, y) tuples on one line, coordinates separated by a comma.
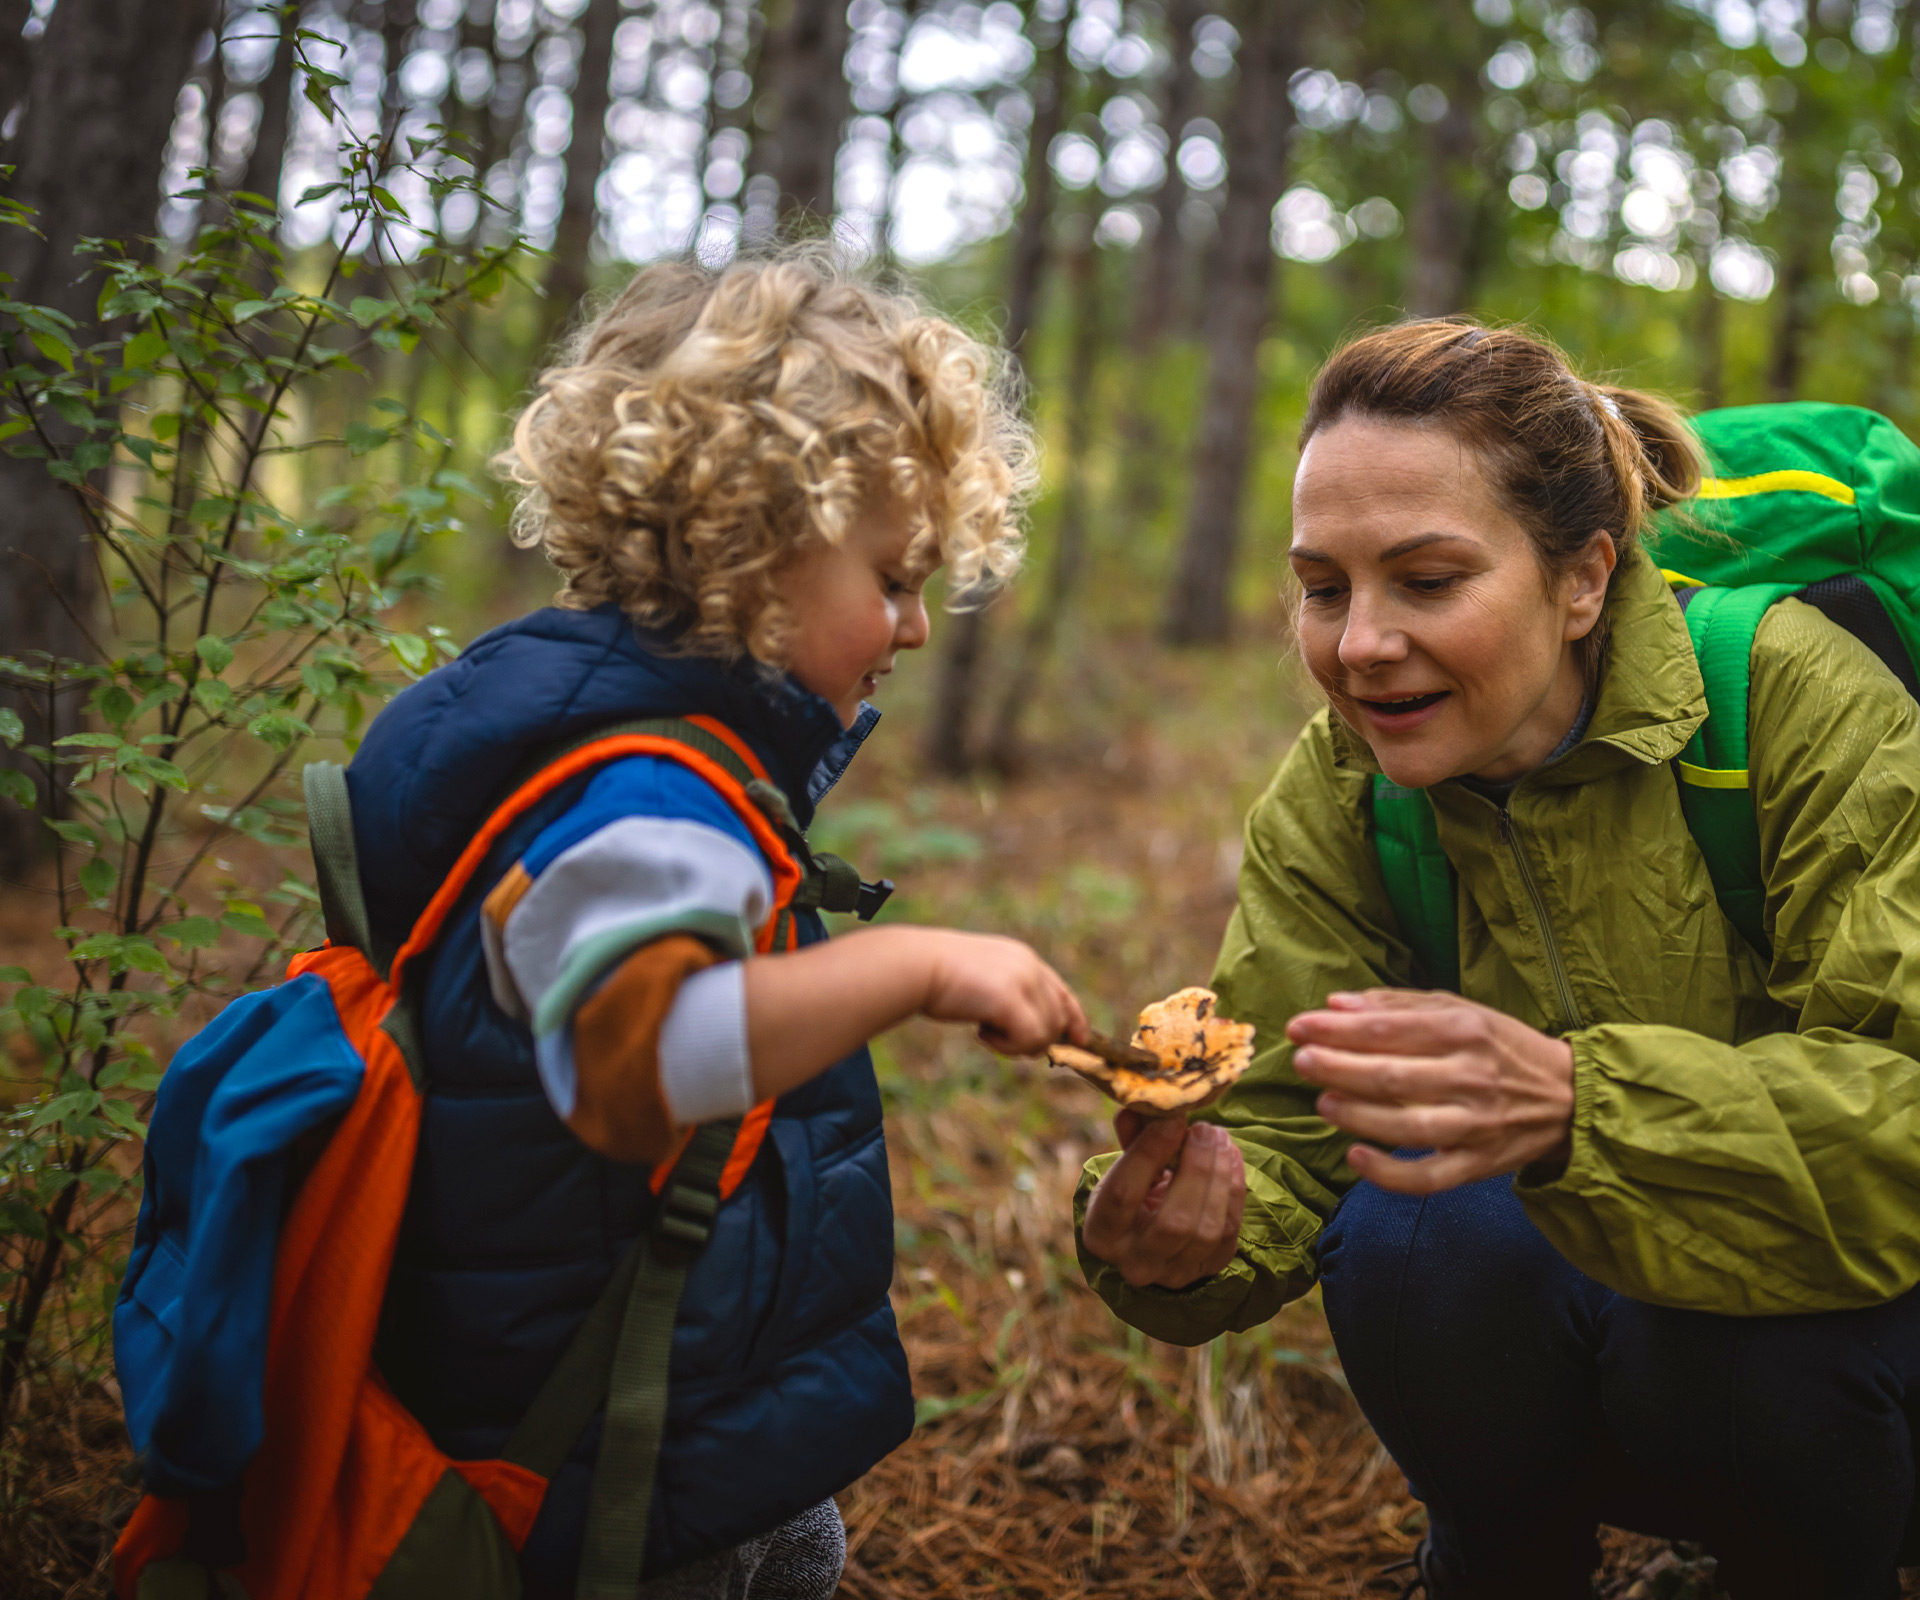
[(1569, 457)]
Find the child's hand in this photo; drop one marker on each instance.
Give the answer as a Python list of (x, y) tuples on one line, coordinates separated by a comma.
[(1020, 1004)]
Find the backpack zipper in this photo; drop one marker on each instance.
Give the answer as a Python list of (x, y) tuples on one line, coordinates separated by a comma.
[(1562, 986)]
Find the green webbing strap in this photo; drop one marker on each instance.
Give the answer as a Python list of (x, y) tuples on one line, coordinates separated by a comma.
[(1419, 879), (636, 1388), (1715, 792), (336, 867), (336, 864), (578, 1383)]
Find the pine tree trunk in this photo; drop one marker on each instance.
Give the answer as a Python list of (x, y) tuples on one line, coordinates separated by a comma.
[(1160, 275), (1710, 336), (269, 152), (804, 79), (1199, 610), (949, 744), (99, 107), (1440, 229), (573, 236), (1070, 535)]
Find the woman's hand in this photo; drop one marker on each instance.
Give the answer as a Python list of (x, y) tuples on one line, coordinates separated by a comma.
[(1403, 1068), (1168, 1211)]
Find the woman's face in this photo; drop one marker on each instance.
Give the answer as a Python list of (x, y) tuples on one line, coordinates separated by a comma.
[(1426, 617)]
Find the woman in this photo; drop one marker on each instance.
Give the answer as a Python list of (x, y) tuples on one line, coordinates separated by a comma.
[(1631, 1225)]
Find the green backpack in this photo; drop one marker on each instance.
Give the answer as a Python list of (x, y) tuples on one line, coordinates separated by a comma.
[(1817, 502)]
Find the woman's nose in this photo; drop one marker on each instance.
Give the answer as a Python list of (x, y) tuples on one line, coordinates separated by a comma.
[(1369, 640)]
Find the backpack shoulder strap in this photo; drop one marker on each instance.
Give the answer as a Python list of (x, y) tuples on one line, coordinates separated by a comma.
[(336, 863), (1715, 794), (1419, 878)]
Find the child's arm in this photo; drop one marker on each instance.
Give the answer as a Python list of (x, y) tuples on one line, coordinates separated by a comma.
[(808, 1008)]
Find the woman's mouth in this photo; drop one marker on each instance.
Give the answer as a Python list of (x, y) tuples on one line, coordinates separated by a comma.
[(1396, 713)]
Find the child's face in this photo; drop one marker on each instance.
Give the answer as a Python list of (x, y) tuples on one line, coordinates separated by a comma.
[(854, 605)]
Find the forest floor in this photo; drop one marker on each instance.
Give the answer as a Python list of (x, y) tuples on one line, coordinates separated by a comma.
[(1058, 1452)]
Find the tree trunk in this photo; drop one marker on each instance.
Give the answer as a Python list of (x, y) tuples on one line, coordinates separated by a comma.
[(269, 153), (99, 108), (1441, 228), (949, 746), (1160, 275), (1795, 289), (1199, 609), (573, 236), (804, 81), (16, 58), (1070, 537), (1710, 336)]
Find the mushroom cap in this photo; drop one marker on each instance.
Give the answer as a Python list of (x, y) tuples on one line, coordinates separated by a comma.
[(1201, 1054)]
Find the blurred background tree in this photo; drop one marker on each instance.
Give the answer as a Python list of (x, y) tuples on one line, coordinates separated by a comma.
[(1169, 210)]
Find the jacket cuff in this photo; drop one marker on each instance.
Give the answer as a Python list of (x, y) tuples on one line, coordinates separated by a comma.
[(1574, 1176)]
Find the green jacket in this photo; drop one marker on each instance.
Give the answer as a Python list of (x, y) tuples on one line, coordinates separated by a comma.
[(1746, 1137)]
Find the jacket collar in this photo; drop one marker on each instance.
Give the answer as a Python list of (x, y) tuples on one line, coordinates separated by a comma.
[(1651, 696)]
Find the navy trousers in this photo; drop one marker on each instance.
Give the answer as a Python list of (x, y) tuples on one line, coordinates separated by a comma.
[(1527, 1404)]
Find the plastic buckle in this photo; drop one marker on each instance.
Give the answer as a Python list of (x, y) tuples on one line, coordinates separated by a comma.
[(684, 1222), (872, 897)]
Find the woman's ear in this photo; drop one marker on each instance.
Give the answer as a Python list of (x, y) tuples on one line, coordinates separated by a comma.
[(1586, 584)]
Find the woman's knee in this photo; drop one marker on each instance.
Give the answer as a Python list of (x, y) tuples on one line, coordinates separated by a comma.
[(1789, 1431)]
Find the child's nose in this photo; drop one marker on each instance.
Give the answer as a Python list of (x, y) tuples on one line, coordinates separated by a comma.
[(911, 628)]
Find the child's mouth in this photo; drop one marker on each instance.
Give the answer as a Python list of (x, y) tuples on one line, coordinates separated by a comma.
[(1396, 712)]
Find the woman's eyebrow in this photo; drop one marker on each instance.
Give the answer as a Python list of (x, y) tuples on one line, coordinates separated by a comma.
[(1420, 541)]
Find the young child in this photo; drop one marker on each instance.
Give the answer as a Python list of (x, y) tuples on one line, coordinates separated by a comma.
[(745, 477)]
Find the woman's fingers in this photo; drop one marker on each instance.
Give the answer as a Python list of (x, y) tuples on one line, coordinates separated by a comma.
[(1425, 1175), (1113, 1212), (1178, 1226), (1409, 1030), (1379, 1077), (1210, 1242), (1400, 1127)]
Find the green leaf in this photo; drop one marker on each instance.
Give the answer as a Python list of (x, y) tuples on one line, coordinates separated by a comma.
[(366, 310), (192, 933), (54, 347), (122, 1116), (79, 1103), (98, 877), (411, 651), (250, 923), (143, 349), (15, 975), (363, 438), (246, 310), (11, 729), (279, 729), (17, 787), (92, 741), (214, 651), (318, 191), (113, 703)]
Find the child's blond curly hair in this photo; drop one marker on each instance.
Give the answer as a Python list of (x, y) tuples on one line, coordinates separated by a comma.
[(709, 425)]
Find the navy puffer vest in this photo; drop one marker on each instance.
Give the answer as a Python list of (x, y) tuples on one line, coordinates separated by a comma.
[(788, 1380)]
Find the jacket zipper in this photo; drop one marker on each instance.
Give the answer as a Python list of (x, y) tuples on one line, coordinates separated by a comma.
[(1562, 986)]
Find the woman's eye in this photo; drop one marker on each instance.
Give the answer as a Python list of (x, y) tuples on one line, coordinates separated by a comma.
[(1432, 585), (1327, 591)]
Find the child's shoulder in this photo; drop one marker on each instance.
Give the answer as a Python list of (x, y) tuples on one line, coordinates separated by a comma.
[(649, 788)]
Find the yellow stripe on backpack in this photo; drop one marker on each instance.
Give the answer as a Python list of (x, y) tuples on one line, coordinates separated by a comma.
[(1775, 483)]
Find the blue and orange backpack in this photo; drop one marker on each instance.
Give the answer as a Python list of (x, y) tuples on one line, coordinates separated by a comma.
[(278, 1464)]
